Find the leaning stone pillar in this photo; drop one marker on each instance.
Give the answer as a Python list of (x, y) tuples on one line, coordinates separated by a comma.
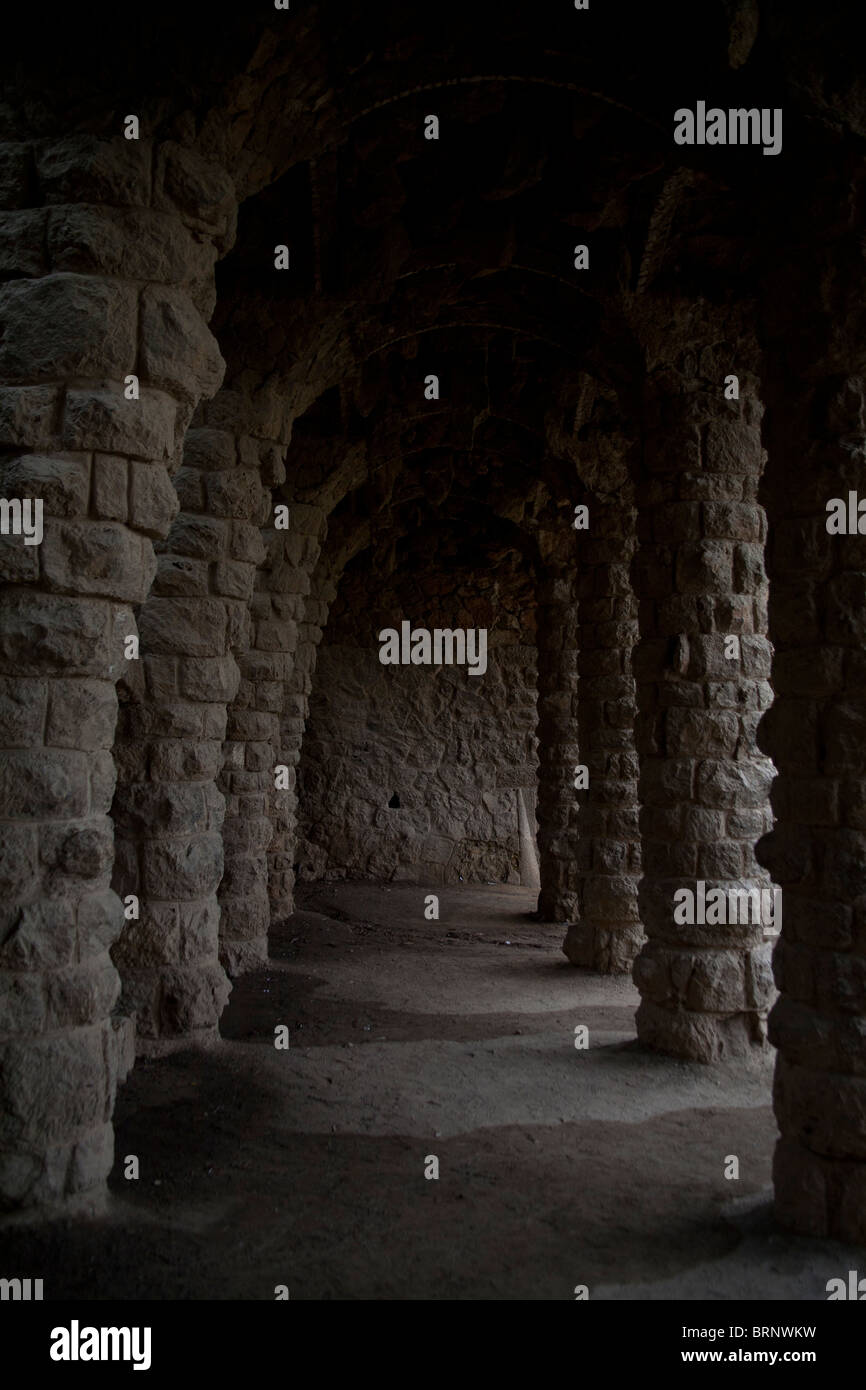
[(558, 807), (251, 752), (300, 607), (703, 783), (103, 349), (193, 623), (606, 934)]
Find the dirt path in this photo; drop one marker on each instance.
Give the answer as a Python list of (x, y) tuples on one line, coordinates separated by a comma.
[(411, 1039)]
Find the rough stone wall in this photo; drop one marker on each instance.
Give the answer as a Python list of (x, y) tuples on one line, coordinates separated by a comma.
[(108, 255), (449, 748)]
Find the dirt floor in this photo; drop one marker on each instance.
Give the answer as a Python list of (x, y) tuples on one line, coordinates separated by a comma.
[(558, 1167)]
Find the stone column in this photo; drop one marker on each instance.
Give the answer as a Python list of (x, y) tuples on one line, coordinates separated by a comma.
[(288, 621), (171, 815), (606, 934), (103, 350), (816, 728), (558, 807), (252, 748), (703, 784)]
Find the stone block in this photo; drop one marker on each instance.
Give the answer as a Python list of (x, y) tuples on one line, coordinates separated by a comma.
[(738, 521), (92, 1157), (210, 678), (701, 732), (103, 419), (748, 573), (703, 567), (100, 921), (732, 446), (182, 869), (19, 563), (131, 243), (67, 326), (191, 626), (150, 811), (192, 998), (180, 760), (103, 780), (85, 169), (51, 1086), (235, 493), (22, 1004), (153, 502), (697, 1037), (824, 1111), (79, 995), (75, 850), (674, 451), (22, 712), (110, 487), (42, 936), (198, 188), (205, 448), (246, 543), (188, 483), (234, 579), (43, 784), (15, 178), (22, 239), (727, 785), (18, 863), (178, 575), (201, 537), (27, 415), (245, 918), (96, 558), (179, 354), (42, 634)]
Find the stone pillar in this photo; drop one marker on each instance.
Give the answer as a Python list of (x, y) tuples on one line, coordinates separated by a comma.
[(703, 784), (558, 807), (106, 292), (252, 748), (288, 623), (606, 934), (171, 814), (816, 728)]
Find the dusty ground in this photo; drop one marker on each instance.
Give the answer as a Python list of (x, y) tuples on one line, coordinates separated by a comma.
[(454, 1038)]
